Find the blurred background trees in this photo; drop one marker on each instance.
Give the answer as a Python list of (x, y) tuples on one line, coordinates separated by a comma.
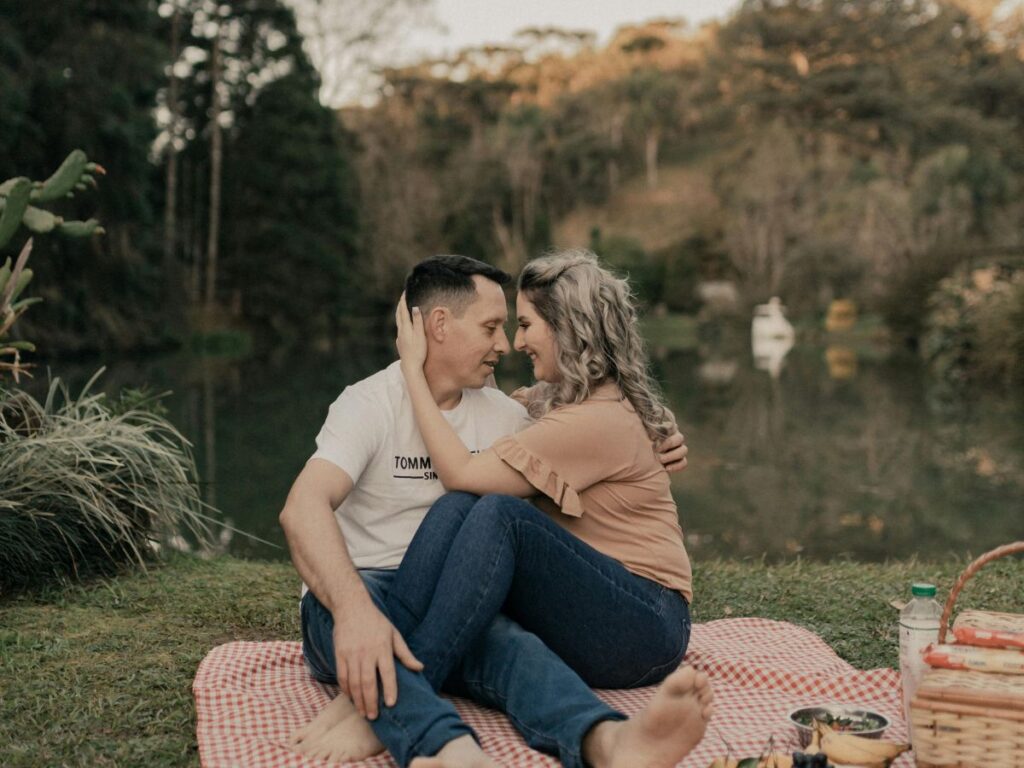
[(817, 150)]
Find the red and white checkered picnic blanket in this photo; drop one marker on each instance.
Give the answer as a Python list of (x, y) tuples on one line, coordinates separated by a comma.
[(251, 696)]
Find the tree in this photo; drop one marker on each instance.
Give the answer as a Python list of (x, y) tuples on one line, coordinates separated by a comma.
[(291, 214), (767, 212), (654, 100)]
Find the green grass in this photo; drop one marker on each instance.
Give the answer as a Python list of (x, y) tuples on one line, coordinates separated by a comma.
[(100, 674)]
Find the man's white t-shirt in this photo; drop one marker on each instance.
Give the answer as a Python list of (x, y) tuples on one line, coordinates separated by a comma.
[(371, 434)]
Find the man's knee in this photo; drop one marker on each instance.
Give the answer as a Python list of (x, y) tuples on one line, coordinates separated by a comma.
[(498, 512), (454, 505)]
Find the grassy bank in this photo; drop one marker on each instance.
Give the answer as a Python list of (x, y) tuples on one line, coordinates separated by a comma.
[(101, 674)]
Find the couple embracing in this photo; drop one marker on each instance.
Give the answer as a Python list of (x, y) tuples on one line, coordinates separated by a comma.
[(513, 550)]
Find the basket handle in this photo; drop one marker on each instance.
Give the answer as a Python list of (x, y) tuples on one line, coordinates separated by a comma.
[(973, 568)]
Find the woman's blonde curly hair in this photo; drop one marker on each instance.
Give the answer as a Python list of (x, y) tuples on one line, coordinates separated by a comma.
[(593, 319)]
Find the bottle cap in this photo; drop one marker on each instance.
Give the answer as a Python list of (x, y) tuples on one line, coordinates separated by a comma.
[(922, 590)]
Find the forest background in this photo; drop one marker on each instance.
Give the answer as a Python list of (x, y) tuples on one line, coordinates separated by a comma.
[(813, 149)]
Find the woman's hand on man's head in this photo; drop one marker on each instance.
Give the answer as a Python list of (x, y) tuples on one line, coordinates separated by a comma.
[(411, 339)]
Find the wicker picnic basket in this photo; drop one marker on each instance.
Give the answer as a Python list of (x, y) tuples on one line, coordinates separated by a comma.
[(967, 718)]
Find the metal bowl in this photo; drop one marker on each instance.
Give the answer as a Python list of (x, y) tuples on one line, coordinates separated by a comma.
[(822, 711)]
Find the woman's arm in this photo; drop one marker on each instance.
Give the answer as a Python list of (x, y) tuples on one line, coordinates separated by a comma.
[(457, 468)]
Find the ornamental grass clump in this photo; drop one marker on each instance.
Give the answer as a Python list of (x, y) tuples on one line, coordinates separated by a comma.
[(86, 487)]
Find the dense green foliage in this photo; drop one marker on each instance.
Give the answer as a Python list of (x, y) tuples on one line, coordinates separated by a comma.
[(291, 215), (86, 487), (101, 675), (71, 84), (975, 328)]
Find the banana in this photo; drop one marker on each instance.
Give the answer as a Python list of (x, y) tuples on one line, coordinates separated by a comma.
[(776, 760), (770, 760), (847, 748)]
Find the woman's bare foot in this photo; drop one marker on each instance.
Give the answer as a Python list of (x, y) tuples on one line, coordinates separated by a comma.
[(662, 734), (462, 752), (337, 733)]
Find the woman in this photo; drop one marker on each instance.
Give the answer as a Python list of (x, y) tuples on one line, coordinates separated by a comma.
[(597, 569)]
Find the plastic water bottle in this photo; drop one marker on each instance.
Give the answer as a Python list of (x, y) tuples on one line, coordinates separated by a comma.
[(919, 626)]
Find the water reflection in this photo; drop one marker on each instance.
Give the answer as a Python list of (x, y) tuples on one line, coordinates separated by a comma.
[(820, 464), (829, 456)]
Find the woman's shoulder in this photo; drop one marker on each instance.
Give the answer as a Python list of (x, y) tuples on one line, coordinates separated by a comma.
[(606, 407)]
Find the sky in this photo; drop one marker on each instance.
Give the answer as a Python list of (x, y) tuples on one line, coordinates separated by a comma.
[(475, 22)]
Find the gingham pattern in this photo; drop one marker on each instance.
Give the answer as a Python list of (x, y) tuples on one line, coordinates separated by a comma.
[(251, 696)]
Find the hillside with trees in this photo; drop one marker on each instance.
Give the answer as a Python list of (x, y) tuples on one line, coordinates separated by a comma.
[(812, 150)]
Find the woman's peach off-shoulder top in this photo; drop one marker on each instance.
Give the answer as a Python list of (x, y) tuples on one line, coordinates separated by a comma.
[(596, 467)]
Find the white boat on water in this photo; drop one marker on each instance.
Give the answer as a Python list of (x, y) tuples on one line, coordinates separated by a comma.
[(770, 321), (771, 336)]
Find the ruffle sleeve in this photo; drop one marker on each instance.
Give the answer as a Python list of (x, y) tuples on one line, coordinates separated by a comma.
[(540, 475)]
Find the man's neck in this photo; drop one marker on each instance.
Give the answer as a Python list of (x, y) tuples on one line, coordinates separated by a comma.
[(447, 394)]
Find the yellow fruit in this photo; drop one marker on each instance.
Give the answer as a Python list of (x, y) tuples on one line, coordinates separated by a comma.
[(776, 760), (847, 748)]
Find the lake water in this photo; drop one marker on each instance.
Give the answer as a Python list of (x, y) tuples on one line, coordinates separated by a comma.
[(834, 455)]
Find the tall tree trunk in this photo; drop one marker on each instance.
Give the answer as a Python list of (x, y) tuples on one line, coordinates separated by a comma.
[(216, 160), (651, 156), (615, 140), (171, 197)]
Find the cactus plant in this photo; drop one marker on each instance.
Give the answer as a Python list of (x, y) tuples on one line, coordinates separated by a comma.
[(20, 201)]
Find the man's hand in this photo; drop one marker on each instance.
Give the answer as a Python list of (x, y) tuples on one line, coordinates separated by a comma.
[(365, 644), (672, 452)]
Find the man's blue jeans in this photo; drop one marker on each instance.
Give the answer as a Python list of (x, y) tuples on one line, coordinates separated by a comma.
[(506, 668), (472, 558)]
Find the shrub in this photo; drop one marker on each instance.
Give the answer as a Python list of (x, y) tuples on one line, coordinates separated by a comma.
[(975, 327), (87, 487), (905, 299), (1000, 323)]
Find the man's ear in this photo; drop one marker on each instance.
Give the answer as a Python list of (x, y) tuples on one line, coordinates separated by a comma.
[(437, 323)]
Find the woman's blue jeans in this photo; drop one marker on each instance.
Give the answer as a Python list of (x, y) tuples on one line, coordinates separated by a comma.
[(473, 558)]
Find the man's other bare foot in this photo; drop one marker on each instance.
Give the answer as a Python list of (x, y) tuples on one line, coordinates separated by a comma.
[(462, 752), (662, 734), (337, 733)]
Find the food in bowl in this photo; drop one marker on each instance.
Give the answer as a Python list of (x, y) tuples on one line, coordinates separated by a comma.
[(840, 718)]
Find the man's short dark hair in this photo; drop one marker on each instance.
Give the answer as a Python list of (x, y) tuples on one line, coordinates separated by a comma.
[(448, 281)]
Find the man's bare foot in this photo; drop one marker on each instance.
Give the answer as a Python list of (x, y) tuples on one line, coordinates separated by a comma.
[(662, 734), (328, 717), (338, 733), (351, 739), (462, 752)]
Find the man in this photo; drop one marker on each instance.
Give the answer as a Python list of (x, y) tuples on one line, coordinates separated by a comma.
[(350, 517)]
